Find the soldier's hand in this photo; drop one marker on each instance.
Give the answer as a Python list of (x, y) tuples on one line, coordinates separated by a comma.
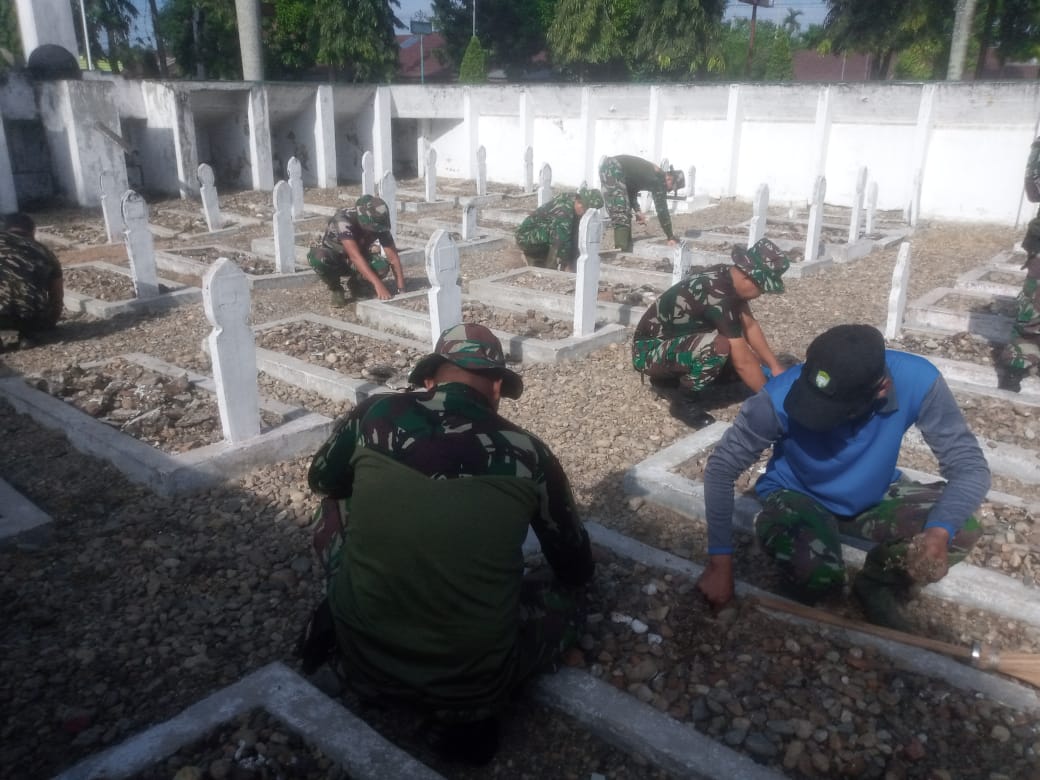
[(716, 582), (927, 557), (383, 293)]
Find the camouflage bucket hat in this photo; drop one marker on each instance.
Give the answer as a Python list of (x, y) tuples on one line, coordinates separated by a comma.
[(373, 213), (678, 179), (765, 263), (474, 348), (593, 199)]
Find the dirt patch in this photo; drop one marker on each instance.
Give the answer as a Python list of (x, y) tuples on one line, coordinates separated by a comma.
[(101, 284)]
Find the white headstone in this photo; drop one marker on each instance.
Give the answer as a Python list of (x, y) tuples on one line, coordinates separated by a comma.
[(294, 170), (815, 227), (691, 182), (225, 298), (528, 178), (868, 226), (284, 233), (210, 204), (913, 208), (368, 174), (586, 289), (140, 247), (544, 185), (445, 295), (110, 210), (481, 170), (431, 175), (388, 192), (897, 295), (682, 259), (857, 205), (469, 222), (759, 215)]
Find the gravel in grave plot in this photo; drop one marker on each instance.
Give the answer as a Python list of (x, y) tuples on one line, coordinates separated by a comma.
[(169, 413), (253, 745), (802, 699), (343, 351), (250, 264), (614, 292), (970, 304), (1003, 277), (529, 324), (101, 284)]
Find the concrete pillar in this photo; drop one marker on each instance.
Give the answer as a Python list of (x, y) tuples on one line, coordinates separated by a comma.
[(734, 125), (382, 146), (46, 21), (588, 133), (248, 13), (821, 136), (325, 139), (260, 140), (656, 123), (527, 139), (185, 143), (471, 128), (8, 193), (919, 155)]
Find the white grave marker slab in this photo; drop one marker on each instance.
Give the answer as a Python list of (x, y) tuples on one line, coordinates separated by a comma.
[(469, 222), (544, 185), (481, 171), (284, 233), (294, 171), (225, 298), (431, 175), (140, 247), (815, 227), (388, 192), (871, 208), (682, 259), (368, 174), (586, 291), (210, 203), (527, 180), (759, 215), (857, 205), (897, 295), (445, 295), (110, 207)]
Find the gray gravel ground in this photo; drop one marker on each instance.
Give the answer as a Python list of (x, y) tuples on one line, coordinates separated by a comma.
[(141, 605)]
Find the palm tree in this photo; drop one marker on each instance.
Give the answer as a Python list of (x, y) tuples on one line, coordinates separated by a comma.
[(791, 23)]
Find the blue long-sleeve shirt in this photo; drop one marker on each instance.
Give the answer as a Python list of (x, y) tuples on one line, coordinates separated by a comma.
[(848, 469)]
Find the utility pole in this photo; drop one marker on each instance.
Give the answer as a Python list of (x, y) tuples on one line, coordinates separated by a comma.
[(474, 18), (248, 13), (419, 26), (754, 17), (962, 23)]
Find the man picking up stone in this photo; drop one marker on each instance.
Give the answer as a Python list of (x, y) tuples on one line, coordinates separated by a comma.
[(427, 594), (548, 236), (835, 424), (353, 246), (703, 324), (622, 178)]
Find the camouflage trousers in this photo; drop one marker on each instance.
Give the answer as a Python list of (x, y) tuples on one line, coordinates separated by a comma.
[(615, 193), (1021, 354), (693, 359), (330, 266), (535, 240), (805, 538)]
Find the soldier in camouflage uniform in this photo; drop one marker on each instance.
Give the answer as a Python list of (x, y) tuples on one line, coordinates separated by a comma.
[(31, 288), (703, 324), (622, 178), (836, 424), (428, 597), (548, 237), (353, 246)]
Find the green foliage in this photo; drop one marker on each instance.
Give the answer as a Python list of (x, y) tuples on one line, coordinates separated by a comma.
[(591, 36), (10, 37), (108, 28), (202, 35), (679, 38), (779, 65), (289, 40), (474, 64), (512, 32), (355, 38)]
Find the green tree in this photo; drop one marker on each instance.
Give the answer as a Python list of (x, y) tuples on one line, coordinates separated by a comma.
[(779, 63), (679, 38), (290, 40), (202, 35), (512, 32), (474, 64), (791, 23), (108, 29), (590, 37), (355, 38), (10, 37)]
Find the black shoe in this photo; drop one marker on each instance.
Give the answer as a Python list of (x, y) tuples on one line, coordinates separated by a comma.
[(466, 743), (880, 599), (317, 642), (1010, 380), (686, 410)]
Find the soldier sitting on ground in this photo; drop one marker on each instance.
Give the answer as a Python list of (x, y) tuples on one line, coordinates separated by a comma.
[(703, 325), (353, 246), (31, 287), (548, 237)]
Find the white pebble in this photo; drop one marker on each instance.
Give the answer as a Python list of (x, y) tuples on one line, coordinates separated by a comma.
[(639, 626)]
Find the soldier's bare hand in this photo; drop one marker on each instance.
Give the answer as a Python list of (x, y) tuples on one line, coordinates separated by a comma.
[(927, 557), (716, 582)]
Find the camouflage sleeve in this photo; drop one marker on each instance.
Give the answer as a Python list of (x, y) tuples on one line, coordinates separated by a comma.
[(661, 204), (564, 540), (330, 472)]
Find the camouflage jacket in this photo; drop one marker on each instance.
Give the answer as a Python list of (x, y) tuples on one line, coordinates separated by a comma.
[(344, 225), (643, 176), (28, 269), (702, 303), (552, 223)]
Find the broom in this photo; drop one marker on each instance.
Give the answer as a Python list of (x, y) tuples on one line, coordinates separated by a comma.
[(1021, 666)]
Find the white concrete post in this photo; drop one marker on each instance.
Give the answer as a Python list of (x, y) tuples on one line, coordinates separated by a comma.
[(655, 123), (857, 205), (421, 148), (469, 222), (544, 185), (871, 208), (294, 171), (815, 227), (324, 138), (232, 350), (382, 142), (46, 21), (734, 127), (368, 174), (431, 175), (682, 259), (919, 156), (140, 248), (527, 182), (210, 202), (897, 295), (284, 232), (821, 134), (8, 194), (260, 140), (111, 209), (586, 283), (691, 185), (588, 132), (388, 192), (759, 215), (471, 131), (481, 171), (247, 20), (445, 295)]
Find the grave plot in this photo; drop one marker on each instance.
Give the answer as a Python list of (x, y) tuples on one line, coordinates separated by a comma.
[(336, 359), (193, 262), (953, 310), (128, 405), (105, 290)]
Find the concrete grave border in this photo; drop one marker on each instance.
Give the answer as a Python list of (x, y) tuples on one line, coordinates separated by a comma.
[(21, 521), (172, 261), (179, 295), (926, 314), (164, 473)]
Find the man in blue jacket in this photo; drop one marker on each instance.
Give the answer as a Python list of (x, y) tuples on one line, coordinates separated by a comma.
[(836, 423)]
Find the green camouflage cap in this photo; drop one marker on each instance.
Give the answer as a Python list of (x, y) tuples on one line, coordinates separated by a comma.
[(593, 199), (474, 348), (373, 213), (678, 179), (765, 263)]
